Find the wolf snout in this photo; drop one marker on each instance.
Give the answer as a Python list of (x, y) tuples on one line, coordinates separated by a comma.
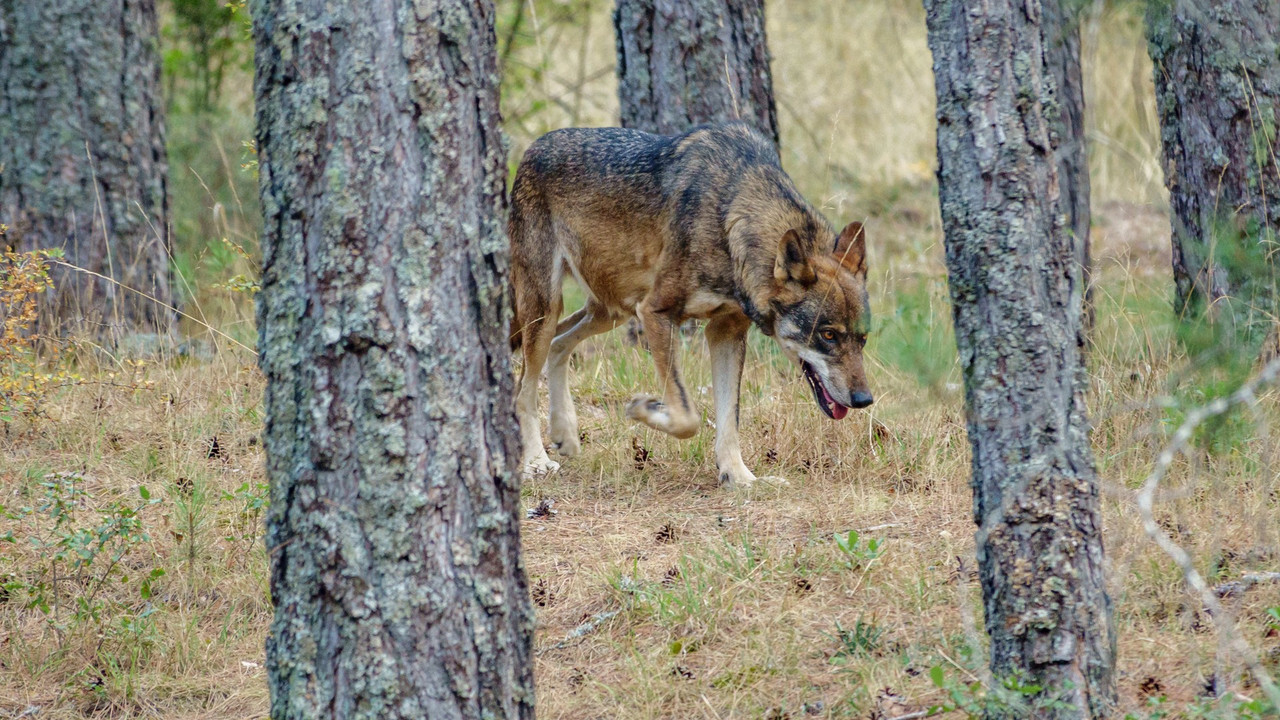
[(861, 399)]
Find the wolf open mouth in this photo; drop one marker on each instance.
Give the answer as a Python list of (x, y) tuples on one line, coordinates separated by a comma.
[(833, 409)]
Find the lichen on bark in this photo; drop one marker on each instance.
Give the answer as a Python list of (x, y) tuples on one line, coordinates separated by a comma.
[(390, 432), (686, 62), (1017, 288)]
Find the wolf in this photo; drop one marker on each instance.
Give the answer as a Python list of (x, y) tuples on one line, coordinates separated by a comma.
[(703, 225)]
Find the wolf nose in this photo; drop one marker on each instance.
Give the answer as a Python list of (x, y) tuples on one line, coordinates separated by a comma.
[(861, 399)]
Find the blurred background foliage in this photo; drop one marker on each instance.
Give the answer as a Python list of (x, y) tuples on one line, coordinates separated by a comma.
[(855, 99)]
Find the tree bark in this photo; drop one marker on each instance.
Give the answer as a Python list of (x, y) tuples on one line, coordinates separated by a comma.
[(1061, 22), (686, 62), (1016, 289), (1217, 78), (391, 440), (82, 157)]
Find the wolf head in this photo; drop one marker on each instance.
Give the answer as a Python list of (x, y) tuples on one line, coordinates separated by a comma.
[(820, 314)]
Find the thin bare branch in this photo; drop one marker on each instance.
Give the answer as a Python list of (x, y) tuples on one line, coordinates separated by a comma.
[(1146, 502)]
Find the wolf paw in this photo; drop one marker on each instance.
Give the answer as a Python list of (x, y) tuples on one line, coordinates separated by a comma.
[(540, 465), (741, 478), (569, 447), (647, 409), (653, 412), (564, 438)]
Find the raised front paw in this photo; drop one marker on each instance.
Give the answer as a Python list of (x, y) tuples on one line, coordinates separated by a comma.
[(656, 414), (648, 410)]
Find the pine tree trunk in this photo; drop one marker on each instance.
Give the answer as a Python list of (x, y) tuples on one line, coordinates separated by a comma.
[(391, 439), (686, 62), (1217, 77), (1062, 56), (1016, 288), (82, 157)]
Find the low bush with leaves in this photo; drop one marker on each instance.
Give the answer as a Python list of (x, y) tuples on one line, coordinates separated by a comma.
[(81, 552)]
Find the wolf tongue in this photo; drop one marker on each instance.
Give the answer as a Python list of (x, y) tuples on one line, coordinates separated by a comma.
[(838, 411)]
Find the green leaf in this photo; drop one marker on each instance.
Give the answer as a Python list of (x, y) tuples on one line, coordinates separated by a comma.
[(144, 492), (935, 674)]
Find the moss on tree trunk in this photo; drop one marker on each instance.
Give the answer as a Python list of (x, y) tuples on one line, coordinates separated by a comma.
[(686, 62), (82, 157), (1017, 287), (391, 439)]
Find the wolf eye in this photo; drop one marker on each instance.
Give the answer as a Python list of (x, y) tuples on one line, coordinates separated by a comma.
[(828, 335)]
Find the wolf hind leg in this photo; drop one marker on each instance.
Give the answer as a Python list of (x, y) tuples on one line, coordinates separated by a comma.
[(673, 414), (538, 304), (590, 320)]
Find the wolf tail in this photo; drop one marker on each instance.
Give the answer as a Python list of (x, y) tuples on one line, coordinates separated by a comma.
[(516, 337), (533, 291)]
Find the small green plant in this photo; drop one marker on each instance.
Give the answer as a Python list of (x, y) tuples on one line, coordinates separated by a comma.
[(125, 646), (243, 283), (81, 556), (1014, 696), (1224, 708), (856, 555), (190, 519), (860, 641), (245, 526), (962, 697)]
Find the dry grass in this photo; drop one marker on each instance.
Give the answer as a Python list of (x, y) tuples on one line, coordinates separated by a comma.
[(726, 605), (113, 436)]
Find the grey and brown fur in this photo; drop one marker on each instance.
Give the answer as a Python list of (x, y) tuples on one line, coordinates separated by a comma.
[(704, 225)]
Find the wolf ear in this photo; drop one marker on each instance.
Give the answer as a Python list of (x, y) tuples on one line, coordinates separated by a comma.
[(851, 249), (792, 264)]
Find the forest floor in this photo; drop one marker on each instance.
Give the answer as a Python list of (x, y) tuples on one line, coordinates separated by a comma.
[(133, 512)]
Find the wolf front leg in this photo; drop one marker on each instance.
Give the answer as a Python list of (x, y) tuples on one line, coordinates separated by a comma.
[(673, 413), (727, 341)]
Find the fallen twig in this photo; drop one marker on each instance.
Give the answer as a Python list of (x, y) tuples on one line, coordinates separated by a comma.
[(885, 526), (1232, 588), (586, 628)]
